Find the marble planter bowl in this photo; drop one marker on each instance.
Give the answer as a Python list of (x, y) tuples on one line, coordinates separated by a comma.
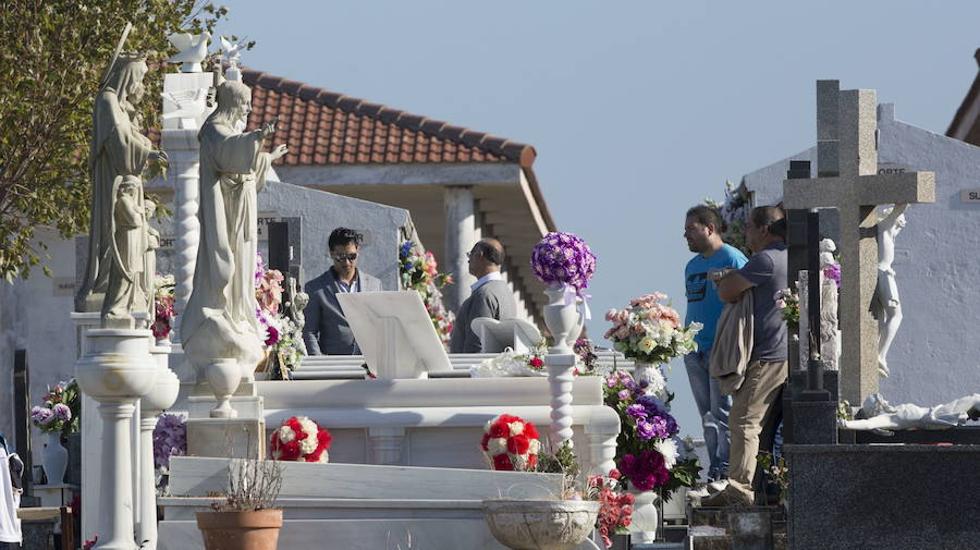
[(118, 364), (540, 524)]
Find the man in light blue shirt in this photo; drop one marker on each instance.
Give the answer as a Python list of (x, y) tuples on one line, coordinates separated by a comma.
[(702, 230)]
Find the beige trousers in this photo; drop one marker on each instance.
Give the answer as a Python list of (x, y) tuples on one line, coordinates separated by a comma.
[(750, 405)]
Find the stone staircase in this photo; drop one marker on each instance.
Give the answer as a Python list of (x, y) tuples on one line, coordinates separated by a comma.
[(751, 528)]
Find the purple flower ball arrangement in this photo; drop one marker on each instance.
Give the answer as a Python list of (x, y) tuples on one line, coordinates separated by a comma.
[(563, 259)]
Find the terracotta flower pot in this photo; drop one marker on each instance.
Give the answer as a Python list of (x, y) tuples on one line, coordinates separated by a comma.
[(252, 530)]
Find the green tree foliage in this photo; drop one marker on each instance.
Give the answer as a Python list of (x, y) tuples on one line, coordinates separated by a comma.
[(53, 57)]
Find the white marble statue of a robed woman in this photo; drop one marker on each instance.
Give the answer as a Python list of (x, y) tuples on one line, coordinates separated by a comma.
[(219, 322), (118, 150)]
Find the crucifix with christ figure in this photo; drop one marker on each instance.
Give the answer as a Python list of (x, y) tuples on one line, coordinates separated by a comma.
[(848, 180)]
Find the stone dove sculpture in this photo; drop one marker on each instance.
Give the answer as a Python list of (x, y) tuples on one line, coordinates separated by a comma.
[(231, 53), (192, 50)]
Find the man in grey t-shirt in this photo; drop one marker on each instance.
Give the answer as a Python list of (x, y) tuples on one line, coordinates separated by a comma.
[(753, 403)]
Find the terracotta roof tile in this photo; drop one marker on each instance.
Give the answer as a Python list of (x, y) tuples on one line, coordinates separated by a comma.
[(324, 127)]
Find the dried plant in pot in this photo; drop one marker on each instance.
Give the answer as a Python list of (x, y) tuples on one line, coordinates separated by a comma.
[(245, 517)]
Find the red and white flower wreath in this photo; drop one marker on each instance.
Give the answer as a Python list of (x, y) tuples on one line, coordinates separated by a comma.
[(300, 439), (511, 443)]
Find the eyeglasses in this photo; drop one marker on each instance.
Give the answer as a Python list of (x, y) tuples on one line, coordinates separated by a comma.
[(471, 253), (345, 257)]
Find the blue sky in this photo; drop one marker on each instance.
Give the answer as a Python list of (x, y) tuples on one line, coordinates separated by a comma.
[(637, 110)]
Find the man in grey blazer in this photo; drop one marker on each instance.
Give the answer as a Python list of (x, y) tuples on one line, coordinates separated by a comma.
[(326, 331), (491, 297)]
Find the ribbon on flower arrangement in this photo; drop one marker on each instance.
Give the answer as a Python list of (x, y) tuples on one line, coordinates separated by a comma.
[(579, 298)]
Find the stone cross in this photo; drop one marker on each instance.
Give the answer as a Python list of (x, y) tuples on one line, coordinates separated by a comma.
[(22, 426), (848, 180)]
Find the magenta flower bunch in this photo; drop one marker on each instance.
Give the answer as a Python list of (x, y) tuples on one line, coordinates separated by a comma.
[(646, 470), (563, 259)]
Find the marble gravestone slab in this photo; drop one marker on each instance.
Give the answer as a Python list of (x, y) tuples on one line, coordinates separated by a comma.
[(359, 506), (883, 497), (197, 477), (395, 333)]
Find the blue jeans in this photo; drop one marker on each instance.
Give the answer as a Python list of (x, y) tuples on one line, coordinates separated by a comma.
[(713, 408)]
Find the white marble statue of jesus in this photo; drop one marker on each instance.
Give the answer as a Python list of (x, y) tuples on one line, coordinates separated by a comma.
[(889, 305), (219, 321), (913, 417)]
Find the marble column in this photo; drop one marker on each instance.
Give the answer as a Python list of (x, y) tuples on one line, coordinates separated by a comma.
[(602, 450), (161, 397), (116, 371), (187, 227), (386, 445), (560, 381), (461, 235), (184, 109), (91, 434)]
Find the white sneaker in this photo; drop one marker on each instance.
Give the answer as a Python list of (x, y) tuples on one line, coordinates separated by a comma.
[(698, 493), (717, 486)]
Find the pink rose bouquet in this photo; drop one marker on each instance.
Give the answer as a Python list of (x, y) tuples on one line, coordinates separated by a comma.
[(651, 331)]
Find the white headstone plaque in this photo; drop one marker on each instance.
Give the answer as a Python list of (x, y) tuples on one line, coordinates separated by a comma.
[(395, 334)]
